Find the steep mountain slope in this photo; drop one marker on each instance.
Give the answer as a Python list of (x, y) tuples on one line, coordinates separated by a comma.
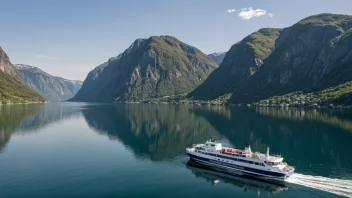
[(160, 66), (52, 88), (6, 66), (313, 54), (217, 57), (239, 65), (12, 87)]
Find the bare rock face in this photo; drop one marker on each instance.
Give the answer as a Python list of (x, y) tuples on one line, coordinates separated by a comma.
[(6, 66), (160, 66), (285, 76)]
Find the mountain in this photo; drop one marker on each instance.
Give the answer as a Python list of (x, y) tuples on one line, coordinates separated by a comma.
[(217, 57), (12, 88), (52, 88), (160, 66), (311, 55), (239, 65)]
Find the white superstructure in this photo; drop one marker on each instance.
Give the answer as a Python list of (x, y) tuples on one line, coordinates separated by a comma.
[(252, 163)]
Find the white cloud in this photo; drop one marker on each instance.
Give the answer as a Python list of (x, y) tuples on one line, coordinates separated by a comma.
[(271, 15), (231, 10), (248, 13), (42, 56)]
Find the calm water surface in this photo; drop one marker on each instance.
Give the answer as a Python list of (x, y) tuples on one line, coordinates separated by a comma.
[(138, 150)]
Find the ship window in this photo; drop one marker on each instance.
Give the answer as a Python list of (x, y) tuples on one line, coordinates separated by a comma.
[(256, 163), (250, 162)]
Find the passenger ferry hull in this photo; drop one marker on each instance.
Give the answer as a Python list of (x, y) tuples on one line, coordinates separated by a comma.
[(237, 168)]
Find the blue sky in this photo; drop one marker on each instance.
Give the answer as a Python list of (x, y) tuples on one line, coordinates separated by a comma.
[(68, 38)]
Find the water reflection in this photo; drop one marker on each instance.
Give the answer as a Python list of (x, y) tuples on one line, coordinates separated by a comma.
[(246, 183), (26, 118), (339, 118), (314, 144), (11, 117), (156, 131), (52, 113)]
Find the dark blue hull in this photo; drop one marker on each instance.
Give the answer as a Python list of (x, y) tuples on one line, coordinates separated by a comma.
[(232, 167)]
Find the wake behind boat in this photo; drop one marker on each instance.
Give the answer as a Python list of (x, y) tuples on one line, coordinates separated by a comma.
[(255, 164)]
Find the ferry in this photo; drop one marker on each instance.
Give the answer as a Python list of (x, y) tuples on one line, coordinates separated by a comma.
[(263, 166), (215, 176)]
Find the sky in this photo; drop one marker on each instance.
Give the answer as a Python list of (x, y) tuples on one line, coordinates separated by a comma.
[(68, 38)]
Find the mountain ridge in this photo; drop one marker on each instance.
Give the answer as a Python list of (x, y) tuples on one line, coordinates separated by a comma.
[(313, 54), (240, 63), (160, 66), (52, 88)]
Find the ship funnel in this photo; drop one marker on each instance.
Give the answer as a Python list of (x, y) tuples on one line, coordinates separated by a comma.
[(267, 151)]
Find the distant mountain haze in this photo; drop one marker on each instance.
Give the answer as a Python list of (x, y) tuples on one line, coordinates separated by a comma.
[(12, 88), (52, 88), (160, 66), (217, 57)]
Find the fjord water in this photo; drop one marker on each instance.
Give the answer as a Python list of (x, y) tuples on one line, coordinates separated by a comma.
[(138, 150)]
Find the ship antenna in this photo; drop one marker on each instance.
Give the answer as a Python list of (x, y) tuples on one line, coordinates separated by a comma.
[(267, 151), (214, 138)]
